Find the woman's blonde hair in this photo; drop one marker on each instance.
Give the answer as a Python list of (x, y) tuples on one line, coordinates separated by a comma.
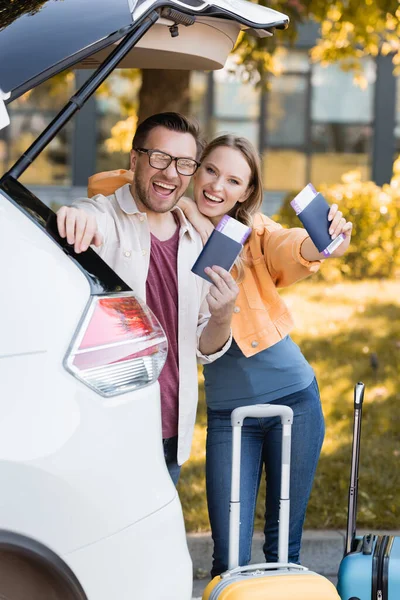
[(242, 211)]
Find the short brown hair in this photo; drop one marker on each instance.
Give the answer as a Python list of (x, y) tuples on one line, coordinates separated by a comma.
[(172, 121)]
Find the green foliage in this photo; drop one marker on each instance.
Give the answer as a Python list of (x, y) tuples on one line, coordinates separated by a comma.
[(375, 213)]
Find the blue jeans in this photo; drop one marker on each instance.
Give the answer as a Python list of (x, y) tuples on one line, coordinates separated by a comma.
[(170, 454), (261, 444)]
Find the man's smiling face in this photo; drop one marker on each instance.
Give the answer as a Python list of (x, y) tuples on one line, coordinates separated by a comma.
[(155, 190)]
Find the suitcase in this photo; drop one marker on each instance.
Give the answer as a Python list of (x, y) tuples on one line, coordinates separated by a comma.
[(370, 568), (274, 581)]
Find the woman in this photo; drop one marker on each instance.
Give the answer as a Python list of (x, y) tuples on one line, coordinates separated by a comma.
[(263, 364)]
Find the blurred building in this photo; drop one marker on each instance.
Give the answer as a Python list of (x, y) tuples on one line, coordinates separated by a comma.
[(309, 124)]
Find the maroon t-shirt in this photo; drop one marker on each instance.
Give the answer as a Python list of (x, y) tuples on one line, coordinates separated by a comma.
[(162, 298)]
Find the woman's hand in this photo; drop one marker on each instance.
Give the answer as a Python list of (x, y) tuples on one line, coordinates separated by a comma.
[(222, 295), (201, 223), (338, 226), (221, 302)]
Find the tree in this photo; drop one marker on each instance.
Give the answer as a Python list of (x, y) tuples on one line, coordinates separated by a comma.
[(163, 90)]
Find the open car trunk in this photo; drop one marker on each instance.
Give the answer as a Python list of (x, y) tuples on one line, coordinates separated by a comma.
[(42, 38)]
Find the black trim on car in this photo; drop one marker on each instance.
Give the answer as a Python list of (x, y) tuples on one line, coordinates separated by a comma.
[(40, 554), (101, 277)]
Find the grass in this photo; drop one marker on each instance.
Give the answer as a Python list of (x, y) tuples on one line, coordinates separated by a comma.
[(338, 328)]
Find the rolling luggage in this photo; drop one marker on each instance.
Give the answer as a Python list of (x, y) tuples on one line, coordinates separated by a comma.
[(370, 568), (268, 581)]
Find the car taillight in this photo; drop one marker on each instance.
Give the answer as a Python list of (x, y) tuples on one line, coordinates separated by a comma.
[(120, 346)]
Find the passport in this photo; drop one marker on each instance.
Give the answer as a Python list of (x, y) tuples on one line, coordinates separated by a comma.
[(312, 209), (222, 247)]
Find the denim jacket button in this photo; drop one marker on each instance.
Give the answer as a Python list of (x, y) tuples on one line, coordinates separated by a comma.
[(254, 344)]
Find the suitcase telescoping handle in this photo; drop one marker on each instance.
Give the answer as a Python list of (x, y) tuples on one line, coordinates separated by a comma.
[(355, 461), (263, 567), (260, 411)]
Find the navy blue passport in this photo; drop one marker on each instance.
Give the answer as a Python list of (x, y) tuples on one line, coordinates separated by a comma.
[(312, 210), (315, 220), (219, 250)]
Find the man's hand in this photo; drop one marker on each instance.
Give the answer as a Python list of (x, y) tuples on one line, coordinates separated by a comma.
[(79, 227), (222, 295)]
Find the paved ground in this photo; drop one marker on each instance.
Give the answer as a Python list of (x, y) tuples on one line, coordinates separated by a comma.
[(321, 552)]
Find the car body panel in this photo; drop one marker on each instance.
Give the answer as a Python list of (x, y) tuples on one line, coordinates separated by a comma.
[(79, 470), (142, 569)]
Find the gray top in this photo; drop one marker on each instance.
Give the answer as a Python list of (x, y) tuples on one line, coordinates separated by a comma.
[(234, 380)]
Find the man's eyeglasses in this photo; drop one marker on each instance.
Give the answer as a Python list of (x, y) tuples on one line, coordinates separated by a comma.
[(162, 160)]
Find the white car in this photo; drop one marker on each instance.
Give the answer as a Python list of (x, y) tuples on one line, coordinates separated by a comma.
[(87, 507)]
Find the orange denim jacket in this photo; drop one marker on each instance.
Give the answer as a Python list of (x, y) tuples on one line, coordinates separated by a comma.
[(272, 260)]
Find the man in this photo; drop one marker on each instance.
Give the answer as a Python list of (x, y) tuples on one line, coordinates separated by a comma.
[(147, 240)]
